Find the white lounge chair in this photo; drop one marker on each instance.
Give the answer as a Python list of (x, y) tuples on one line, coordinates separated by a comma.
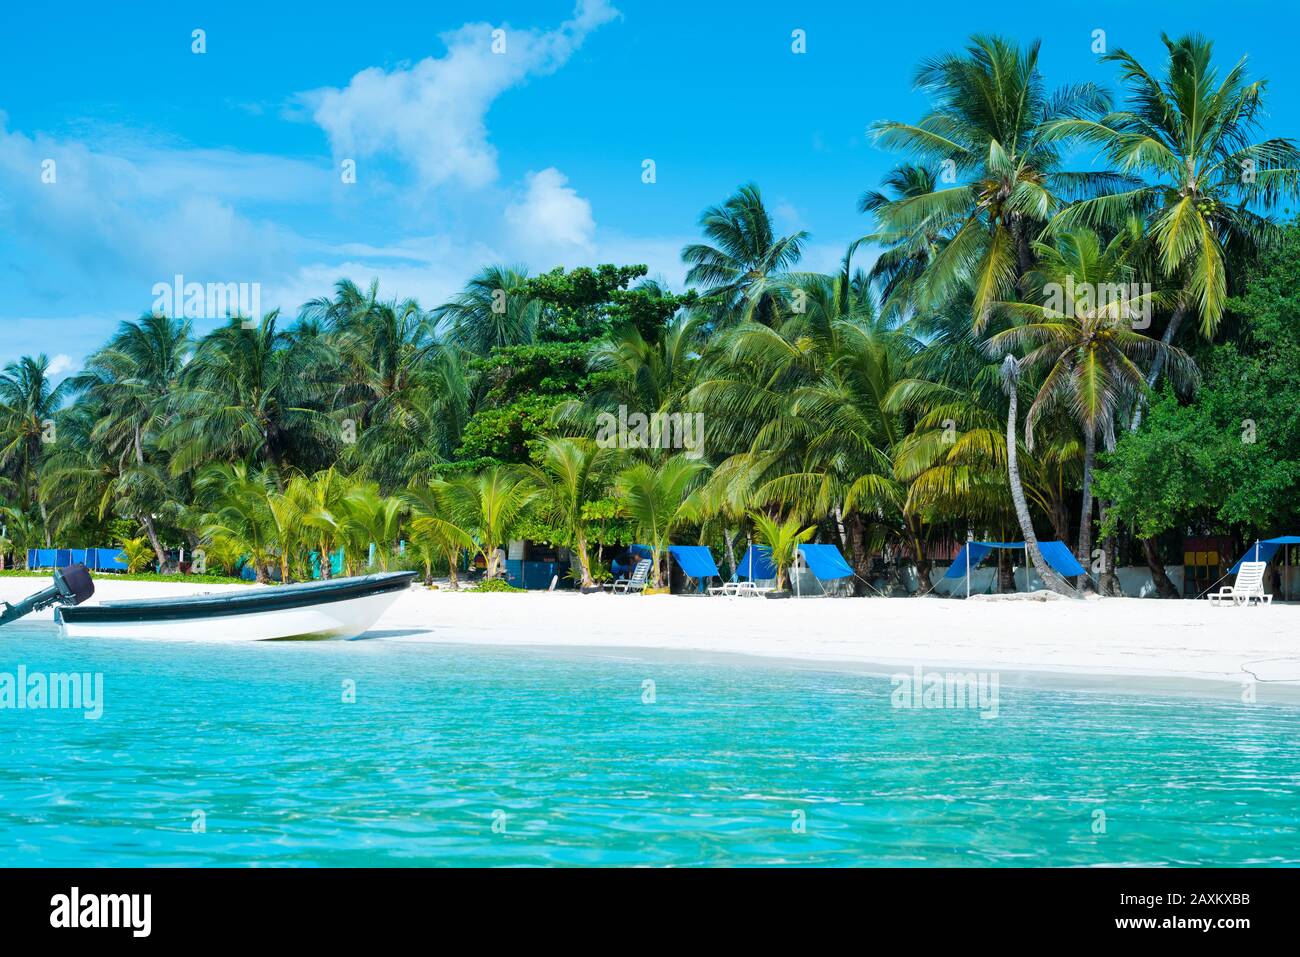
[(737, 589), (1248, 587), (640, 576)]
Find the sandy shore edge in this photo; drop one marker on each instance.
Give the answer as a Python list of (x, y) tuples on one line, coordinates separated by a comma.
[(1111, 642)]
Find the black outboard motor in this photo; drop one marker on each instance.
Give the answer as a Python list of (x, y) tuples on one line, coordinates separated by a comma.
[(72, 586)]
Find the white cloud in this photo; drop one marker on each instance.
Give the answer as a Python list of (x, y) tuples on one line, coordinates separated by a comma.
[(59, 365), (432, 115), (550, 213), (138, 214)]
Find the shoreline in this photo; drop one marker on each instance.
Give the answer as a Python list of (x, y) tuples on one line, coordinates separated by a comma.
[(1102, 643), (1084, 682)]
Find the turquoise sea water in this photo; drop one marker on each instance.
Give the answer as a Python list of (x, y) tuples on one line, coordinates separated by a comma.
[(561, 751)]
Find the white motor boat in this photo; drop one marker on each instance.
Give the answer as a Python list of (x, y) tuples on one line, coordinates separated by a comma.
[(339, 608)]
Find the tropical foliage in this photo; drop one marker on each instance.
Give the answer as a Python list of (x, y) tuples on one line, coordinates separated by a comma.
[(1064, 303)]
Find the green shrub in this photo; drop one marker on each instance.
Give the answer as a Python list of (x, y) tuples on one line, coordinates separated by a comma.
[(494, 584)]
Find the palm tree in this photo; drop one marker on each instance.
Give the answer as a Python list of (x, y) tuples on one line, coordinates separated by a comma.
[(372, 518), (394, 384), (28, 403), (1193, 134), (986, 126), (1083, 336), (432, 530), (321, 508), (572, 474), (902, 264), (239, 512), (658, 498), (131, 382), (493, 311), (22, 531), (139, 554), (742, 269), (1011, 382), (489, 506), (647, 375), (801, 405), (782, 539), (250, 393)]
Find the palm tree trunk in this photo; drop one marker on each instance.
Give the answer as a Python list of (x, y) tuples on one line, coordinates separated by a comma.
[(45, 520), (453, 582), (1084, 550), (922, 563), (326, 562), (1006, 573), (584, 562), (729, 535), (1059, 515), (1109, 584), (147, 522), (858, 558), (1164, 587), (1158, 363), (1053, 581), (839, 524)]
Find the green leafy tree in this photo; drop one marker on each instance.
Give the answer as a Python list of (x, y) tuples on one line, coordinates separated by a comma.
[(1230, 457)]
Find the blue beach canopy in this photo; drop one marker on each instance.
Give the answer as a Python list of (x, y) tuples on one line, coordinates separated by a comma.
[(825, 562), (757, 564), (1267, 548), (696, 561), (1056, 554)]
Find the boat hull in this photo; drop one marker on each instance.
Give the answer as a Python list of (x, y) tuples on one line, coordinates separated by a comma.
[(344, 608)]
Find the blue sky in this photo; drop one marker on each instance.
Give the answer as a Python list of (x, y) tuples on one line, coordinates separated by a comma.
[(225, 166)]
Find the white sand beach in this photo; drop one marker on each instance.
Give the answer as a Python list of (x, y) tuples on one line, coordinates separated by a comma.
[(1116, 638)]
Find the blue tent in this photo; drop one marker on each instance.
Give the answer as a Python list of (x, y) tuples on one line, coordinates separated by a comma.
[(1263, 550), (757, 564), (96, 559), (1056, 554), (825, 562), (695, 561), (106, 559)]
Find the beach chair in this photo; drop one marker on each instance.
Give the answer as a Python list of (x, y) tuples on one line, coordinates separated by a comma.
[(1248, 587), (638, 581), (736, 589)]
